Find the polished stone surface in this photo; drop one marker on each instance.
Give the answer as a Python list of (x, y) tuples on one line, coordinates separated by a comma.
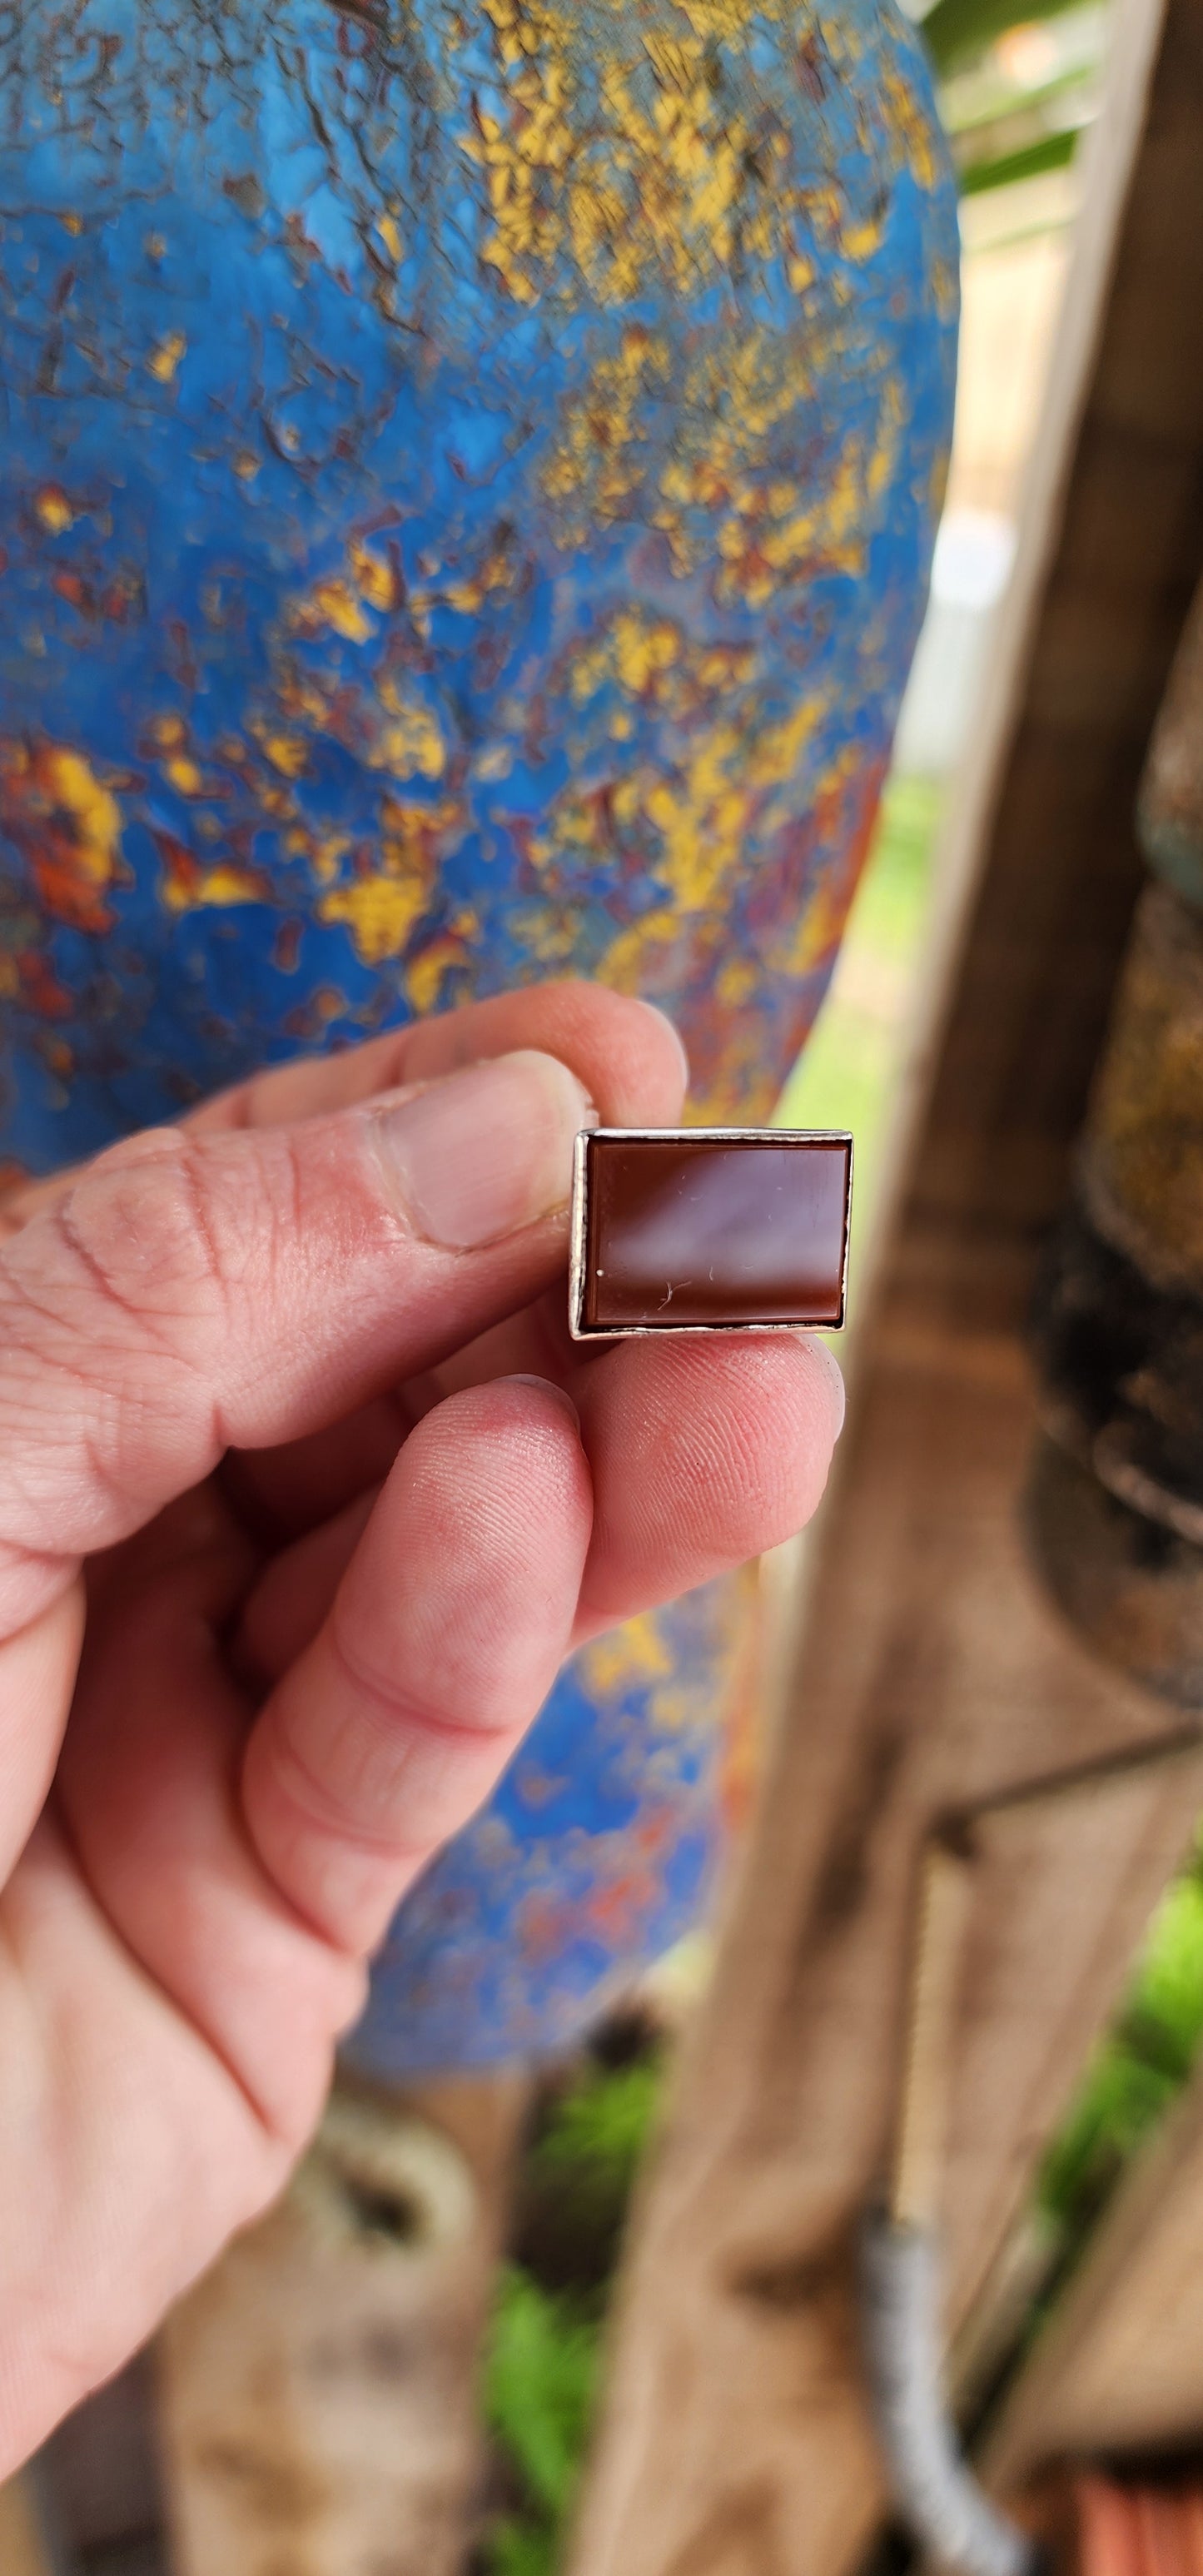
[(688, 1231)]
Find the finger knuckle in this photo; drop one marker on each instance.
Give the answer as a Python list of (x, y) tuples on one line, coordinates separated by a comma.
[(142, 1235)]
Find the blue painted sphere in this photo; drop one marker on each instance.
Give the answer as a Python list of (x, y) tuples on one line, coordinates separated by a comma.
[(467, 486)]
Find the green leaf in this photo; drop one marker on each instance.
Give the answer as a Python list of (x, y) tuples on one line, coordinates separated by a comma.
[(599, 2130), (540, 2376), (1139, 2069), (522, 2549), (1053, 152)]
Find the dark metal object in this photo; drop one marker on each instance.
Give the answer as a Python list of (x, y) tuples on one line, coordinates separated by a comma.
[(1142, 1152), (698, 1230), (1114, 1503), (1127, 1582), (1122, 1376)]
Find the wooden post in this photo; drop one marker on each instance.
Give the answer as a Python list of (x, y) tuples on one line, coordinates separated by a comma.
[(932, 1667), (319, 2385), (1120, 2365)]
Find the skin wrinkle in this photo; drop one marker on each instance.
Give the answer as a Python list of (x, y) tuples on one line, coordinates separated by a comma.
[(115, 1498), (153, 1208), (33, 1500), (379, 1229), (104, 1474), (316, 1807), (189, 1173), (24, 1301), (290, 1767), (372, 1220), (216, 1437), (296, 1208), (109, 1290), (500, 1552), (399, 1707)]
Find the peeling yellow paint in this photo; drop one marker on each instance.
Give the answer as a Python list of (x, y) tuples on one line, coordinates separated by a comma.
[(629, 1657), (54, 510), (425, 975), (736, 983), (627, 966), (411, 745), (379, 911), (377, 581), (184, 775), (68, 824), (334, 603), (165, 357), (287, 752), (94, 812), (382, 904), (223, 885)]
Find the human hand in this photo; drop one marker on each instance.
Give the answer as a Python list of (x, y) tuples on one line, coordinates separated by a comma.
[(304, 1496)]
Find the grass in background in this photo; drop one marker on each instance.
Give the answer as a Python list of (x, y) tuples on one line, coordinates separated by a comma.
[(1136, 2071), (541, 2370), (543, 2355)]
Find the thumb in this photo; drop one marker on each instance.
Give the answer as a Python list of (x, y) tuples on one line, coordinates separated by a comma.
[(198, 1292)]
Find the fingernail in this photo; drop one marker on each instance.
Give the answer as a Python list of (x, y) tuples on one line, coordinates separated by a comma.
[(485, 1151), (675, 1035), (835, 1374), (546, 1386)]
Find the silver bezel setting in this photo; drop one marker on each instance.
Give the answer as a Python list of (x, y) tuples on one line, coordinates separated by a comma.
[(582, 1332)]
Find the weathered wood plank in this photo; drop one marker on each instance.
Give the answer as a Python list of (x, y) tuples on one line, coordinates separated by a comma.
[(318, 2387), (1120, 2365), (931, 1667), (736, 2437), (21, 2551)]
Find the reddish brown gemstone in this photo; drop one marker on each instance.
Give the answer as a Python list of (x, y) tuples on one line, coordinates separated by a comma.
[(699, 1231)]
